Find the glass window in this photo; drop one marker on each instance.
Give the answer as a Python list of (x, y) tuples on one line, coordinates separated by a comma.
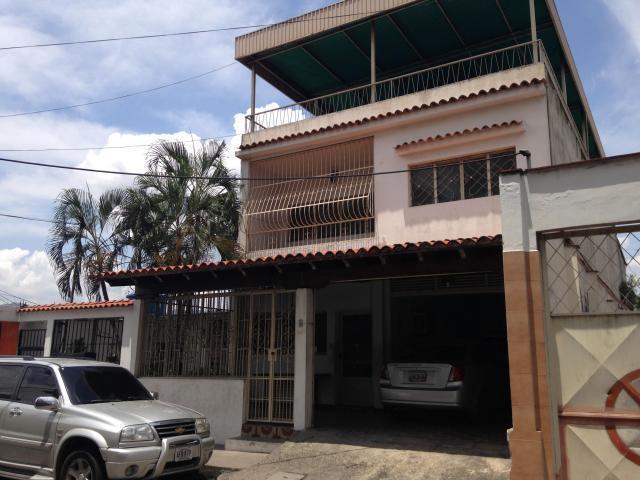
[(475, 179), (422, 187), (9, 378), (448, 177), (500, 163), (102, 385), (37, 382)]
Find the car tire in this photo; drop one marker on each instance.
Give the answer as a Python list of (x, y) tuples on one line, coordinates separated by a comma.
[(82, 465)]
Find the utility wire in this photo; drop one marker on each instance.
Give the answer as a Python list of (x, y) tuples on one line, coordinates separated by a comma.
[(119, 97), (18, 217), (330, 176), (178, 34), (15, 296)]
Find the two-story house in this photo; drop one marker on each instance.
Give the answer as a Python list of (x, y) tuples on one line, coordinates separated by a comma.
[(371, 211)]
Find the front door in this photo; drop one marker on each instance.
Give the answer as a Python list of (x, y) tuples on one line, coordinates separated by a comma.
[(29, 433), (271, 357), (354, 365)]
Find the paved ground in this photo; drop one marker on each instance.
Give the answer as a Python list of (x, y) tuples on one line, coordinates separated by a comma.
[(372, 446)]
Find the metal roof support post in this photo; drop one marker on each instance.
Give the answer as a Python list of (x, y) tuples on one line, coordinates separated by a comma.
[(252, 127), (373, 61), (534, 30)]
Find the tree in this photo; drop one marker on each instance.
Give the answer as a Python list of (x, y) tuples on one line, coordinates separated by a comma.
[(174, 220), (85, 240)]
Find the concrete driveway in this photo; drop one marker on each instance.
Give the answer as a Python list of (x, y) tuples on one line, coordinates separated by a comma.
[(373, 446)]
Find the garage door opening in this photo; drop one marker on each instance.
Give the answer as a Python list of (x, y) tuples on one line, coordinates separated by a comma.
[(415, 357)]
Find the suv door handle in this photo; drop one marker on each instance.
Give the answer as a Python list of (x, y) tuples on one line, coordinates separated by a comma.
[(15, 412)]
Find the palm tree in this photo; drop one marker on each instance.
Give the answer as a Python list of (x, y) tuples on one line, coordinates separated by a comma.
[(85, 240), (173, 218)]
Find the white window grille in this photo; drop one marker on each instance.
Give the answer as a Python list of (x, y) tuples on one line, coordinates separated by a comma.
[(334, 205), (465, 179)]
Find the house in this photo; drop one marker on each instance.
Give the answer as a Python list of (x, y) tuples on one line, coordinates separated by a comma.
[(373, 220)]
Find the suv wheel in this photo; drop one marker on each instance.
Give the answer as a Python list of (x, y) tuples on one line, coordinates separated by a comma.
[(82, 465)]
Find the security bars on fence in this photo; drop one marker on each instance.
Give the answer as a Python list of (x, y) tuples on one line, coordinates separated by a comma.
[(31, 342), (99, 337), (593, 270), (332, 207), (433, 77)]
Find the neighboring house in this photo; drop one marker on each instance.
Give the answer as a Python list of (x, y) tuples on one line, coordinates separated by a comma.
[(107, 331), (344, 271)]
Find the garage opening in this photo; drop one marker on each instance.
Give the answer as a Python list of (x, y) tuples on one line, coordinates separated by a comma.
[(415, 357)]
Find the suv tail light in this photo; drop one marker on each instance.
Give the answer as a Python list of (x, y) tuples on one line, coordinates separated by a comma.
[(456, 375)]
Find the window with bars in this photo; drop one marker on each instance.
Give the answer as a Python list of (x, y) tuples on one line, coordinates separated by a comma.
[(465, 179)]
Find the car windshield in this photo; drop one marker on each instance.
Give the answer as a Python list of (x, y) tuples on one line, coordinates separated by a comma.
[(97, 384)]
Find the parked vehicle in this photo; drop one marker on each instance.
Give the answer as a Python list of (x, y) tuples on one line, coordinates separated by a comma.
[(444, 377), (86, 420)]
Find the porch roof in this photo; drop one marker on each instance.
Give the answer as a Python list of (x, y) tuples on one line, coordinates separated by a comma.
[(311, 269), (53, 307)]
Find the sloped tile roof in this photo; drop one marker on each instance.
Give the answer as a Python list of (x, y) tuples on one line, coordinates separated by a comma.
[(306, 257), (76, 306), (458, 133), (444, 101)]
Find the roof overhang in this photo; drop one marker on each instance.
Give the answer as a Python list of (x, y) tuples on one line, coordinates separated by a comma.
[(315, 270), (328, 50)]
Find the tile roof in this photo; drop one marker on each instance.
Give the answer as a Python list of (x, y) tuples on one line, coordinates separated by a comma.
[(337, 126), (459, 133), (76, 306), (306, 257)]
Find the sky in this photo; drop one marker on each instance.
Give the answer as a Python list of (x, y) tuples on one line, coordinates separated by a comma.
[(604, 36)]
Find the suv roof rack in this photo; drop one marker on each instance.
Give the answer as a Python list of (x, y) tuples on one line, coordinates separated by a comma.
[(28, 358)]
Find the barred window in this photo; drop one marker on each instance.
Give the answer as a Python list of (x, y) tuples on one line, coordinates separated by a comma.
[(460, 180), (100, 338)]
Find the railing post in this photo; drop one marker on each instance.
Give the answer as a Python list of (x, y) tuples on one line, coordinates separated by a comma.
[(534, 31), (252, 126), (373, 61)]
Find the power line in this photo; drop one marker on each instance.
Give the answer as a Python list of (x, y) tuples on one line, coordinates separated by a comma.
[(331, 176), (15, 296), (178, 34), (119, 97), (113, 147), (18, 217)]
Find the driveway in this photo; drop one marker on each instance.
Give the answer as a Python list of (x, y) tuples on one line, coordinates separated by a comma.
[(375, 446)]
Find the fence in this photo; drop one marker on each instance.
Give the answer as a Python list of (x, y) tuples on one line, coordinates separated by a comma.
[(99, 337), (31, 342)]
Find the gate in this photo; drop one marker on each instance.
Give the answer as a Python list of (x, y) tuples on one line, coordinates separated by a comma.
[(592, 288), (31, 342), (100, 338), (270, 323)]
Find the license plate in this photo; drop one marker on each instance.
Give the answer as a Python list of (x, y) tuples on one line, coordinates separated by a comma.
[(418, 377), (183, 455)]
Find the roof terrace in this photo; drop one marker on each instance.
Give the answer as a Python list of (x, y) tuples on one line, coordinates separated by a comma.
[(361, 52)]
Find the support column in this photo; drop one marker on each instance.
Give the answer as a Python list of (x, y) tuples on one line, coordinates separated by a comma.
[(48, 338), (534, 28), (131, 337), (303, 380), (373, 61), (252, 126)]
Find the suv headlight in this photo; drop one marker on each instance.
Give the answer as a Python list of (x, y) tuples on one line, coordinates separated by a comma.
[(202, 427), (137, 433)]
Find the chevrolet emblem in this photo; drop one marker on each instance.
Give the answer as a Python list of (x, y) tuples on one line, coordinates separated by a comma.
[(180, 430)]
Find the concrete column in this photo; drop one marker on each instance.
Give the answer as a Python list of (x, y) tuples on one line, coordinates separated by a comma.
[(48, 338), (304, 370), (534, 28), (373, 62), (131, 333), (253, 99)]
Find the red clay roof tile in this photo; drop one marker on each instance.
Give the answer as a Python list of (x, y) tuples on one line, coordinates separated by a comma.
[(75, 306)]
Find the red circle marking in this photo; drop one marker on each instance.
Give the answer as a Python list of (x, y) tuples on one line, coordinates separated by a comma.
[(624, 384)]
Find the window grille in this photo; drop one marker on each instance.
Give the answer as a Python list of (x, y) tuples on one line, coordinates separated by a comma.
[(460, 180), (327, 208), (99, 337), (31, 342)]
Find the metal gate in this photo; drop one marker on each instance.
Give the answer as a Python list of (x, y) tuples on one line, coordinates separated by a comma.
[(31, 342), (96, 337), (269, 320), (592, 287)]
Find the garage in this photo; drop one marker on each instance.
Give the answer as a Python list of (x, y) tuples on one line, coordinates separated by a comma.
[(414, 357)]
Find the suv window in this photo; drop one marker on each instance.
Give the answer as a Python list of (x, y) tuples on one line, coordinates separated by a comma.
[(37, 382), (102, 384), (9, 378)]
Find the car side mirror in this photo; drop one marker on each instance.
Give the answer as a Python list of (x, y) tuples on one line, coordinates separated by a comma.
[(49, 404), (155, 395)]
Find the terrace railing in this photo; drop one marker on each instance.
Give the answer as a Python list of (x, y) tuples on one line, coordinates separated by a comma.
[(466, 69)]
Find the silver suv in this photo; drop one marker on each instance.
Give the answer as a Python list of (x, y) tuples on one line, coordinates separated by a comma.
[(82, 420)]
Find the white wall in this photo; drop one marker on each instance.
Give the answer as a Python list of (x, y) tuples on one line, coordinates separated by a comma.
[(220, 400)]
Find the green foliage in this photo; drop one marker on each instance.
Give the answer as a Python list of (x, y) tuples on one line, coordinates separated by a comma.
[(630, 292)]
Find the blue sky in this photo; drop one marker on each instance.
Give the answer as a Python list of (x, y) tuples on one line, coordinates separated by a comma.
[(604, 36)]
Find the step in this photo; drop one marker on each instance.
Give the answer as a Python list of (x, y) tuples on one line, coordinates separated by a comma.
[(252, 445)]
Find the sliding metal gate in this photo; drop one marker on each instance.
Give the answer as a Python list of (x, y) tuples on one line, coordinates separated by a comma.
[(271, 328)]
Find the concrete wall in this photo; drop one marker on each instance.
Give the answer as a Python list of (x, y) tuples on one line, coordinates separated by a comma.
[(220, 400), (130, 315), (564, 144)]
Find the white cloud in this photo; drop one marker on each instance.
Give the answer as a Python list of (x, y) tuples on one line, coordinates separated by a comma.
[(27, 274)]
